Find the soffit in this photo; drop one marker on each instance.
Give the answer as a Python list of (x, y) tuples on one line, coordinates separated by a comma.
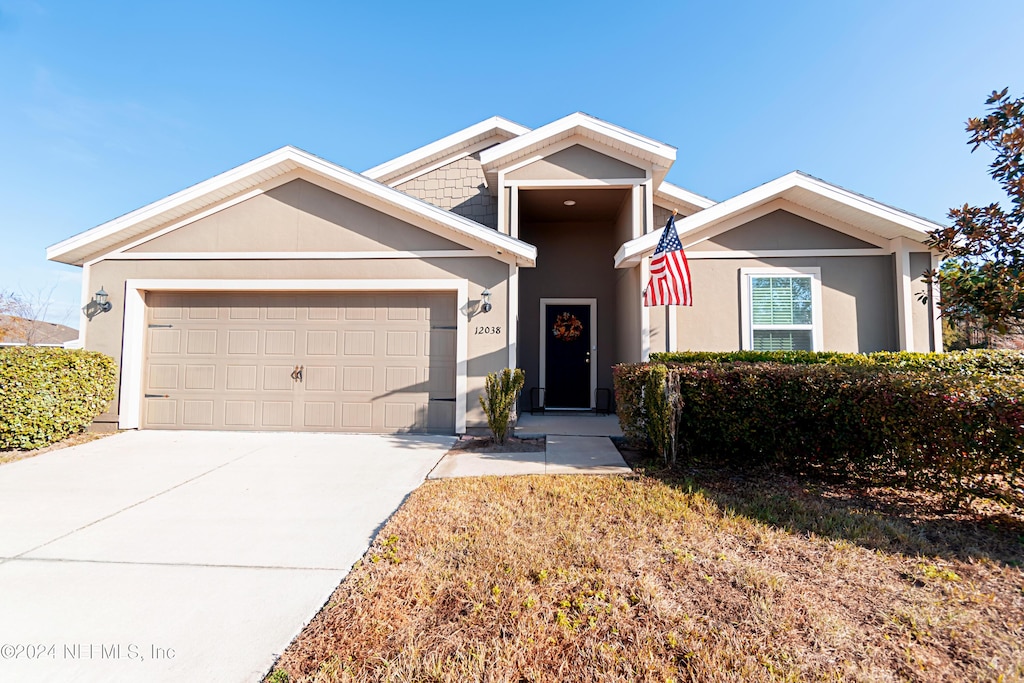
[(674, 197), (548, 206)]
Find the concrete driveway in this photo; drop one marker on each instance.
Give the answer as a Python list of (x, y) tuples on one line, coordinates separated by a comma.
[(175, 556)]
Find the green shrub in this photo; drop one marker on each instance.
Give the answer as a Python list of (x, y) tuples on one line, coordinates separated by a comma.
[(659, 423), (47, 394), (954, 434), (501, 391), (628, 382), (1002, 362)]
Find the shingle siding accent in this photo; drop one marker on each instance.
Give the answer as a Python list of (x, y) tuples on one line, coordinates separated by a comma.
[(661, 215), (457, 187)]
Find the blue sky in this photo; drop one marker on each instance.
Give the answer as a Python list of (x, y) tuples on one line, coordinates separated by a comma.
[(107, 106)]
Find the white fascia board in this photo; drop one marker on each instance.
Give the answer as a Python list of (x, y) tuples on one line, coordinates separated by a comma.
[(582, 124), (55, 251), (673, 192), (631, 252), (445, 145), (916, 224), (292, 158)]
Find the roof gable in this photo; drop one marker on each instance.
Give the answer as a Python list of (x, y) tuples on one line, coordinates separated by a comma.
[(781, 229), (487, 133), (18, 330), (675, 197), (863, 215), (574, 162), (298, 217), (588, 130), (246, 180)]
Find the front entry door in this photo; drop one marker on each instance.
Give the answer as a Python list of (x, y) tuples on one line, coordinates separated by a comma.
[(567, 355)]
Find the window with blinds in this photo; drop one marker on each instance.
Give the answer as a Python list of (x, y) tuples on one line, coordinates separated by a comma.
[(781, 313)]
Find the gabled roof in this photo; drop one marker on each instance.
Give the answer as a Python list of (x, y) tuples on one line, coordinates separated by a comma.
[(249, 176), (494, 127), (829, 200), (672, 196), (18, 330), (658, 154)]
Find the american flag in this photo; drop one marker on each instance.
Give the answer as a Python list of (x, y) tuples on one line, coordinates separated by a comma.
[(670, 274)]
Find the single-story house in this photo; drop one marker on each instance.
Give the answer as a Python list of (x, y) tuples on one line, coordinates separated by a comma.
[(290, 293)]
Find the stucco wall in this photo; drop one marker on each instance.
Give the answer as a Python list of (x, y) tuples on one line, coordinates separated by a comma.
[(458, 187), (781, 229), (627, 323), (574, 163), (297, 216), (628, 303), (922, 312), (858, 302)]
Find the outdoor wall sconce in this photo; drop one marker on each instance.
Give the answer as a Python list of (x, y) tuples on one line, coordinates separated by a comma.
[(485, 297), (99, 304)]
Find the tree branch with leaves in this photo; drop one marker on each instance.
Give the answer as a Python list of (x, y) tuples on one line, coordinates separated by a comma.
[(987, 242)]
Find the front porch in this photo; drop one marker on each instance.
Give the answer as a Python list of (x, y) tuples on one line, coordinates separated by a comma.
[(575, 443), (578, 314)]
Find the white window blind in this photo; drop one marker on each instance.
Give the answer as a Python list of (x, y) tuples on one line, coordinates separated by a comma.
[(781, 313)]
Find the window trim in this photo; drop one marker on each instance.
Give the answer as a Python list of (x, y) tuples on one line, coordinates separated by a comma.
[(747, 328)]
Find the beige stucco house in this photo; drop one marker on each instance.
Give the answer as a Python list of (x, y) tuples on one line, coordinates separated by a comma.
[(293, 294)]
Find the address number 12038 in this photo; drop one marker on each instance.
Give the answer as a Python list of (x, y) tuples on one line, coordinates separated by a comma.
[(485, 329)]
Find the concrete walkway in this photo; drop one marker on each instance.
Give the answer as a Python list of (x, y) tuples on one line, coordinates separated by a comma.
[(576, 444), (186, 556), (568, 424)]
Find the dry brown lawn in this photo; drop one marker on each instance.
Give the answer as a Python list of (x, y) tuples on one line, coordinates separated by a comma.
[(654, 578)]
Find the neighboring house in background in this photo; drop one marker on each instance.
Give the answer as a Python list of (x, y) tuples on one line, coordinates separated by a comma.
[(290, 293), (25, 332)]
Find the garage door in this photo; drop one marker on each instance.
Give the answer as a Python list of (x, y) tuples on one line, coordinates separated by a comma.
[(359, 362)]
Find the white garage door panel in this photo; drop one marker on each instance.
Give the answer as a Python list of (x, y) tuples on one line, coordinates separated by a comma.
[(370, 362)]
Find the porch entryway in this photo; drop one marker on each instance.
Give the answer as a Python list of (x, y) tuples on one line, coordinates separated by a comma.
[(578, 314)]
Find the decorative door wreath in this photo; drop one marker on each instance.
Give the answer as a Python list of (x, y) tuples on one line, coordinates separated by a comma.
[(567, 327)]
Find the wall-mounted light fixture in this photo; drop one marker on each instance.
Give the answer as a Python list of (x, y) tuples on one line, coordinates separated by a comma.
[(485, 298), (99, 304)]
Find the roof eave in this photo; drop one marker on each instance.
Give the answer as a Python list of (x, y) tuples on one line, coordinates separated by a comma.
[(915, 227), (658, 154), (673, 192), (75, 250), (72, 250), (446, 145)]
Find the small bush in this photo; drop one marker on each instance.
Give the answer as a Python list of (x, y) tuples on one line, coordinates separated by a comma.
[(1001, 362), (501, 391), (955, 434), (47, 394)]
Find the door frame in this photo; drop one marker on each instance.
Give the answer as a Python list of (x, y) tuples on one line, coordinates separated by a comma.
[(544, 337), (133, 352)]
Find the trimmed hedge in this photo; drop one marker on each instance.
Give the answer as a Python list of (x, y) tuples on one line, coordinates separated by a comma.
[(47, 394), (1000, 362), (954, 434)]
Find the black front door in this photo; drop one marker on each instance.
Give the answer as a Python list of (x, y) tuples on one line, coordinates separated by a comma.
[(567, 356)]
